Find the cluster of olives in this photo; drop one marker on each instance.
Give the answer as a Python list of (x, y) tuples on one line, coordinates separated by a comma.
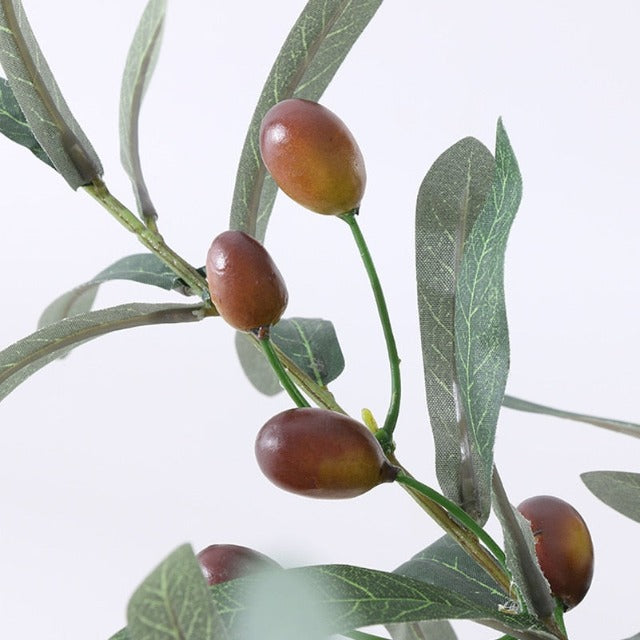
[(315, 160), (313, 157)]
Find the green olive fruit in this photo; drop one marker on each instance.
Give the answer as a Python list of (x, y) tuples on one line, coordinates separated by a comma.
[(312, 156), (245, 284), (223, 562), (563, 547), (322, 454)]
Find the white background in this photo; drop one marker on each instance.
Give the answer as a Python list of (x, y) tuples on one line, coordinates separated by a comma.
[(143, 440)]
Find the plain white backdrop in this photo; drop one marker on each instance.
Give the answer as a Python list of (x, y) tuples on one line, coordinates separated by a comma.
[(143, 440)]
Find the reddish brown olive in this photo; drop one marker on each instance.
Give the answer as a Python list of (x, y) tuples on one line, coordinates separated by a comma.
[(312, 156), (563, 546), (223, 562), (322, 454), (244, 282)]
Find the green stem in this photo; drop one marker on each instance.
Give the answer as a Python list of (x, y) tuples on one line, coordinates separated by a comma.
[(276, 365), (464, 537), (392, 352), (457, 513), (150, 239)]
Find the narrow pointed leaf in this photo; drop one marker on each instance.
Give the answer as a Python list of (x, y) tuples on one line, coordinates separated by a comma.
[(451, 196), (425, 630), (311, 343), (41, 101), (25, 357), (628, 428), (618, 489), (445, 563), (521, 556), (173, 603), (141, 61), (145, 268), (481, 332), (315, 48), (354, 597), (14, 125)]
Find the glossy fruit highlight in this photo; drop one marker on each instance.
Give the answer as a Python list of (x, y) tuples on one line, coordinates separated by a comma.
[(223, 562), (312, 156), (244, 283), (322, 454), (563, 546)]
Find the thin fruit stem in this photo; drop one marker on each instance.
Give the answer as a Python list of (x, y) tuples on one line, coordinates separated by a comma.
[(286, 382), (458, 513), (467, 539), (151, 239), (392, 352)]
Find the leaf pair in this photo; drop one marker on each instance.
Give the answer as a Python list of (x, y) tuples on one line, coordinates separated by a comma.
[(465, 208)]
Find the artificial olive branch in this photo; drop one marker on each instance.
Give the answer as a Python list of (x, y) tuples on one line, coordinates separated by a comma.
[(392, 352), (151, 239)]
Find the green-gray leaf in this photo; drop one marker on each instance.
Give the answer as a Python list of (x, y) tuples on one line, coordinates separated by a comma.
[(145, 268), (315, 48), (311, 343), (141, 61), (425, 630), (173, 603), (628, 428), (14, 125), (123, 634), (41, 101), (520, 552), (618, 489), (451, 196), (25, 357), (354, 597), (444, 563), (481, 332)]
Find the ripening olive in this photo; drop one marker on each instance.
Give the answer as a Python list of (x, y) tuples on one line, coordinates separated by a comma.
[(223, 562), (321, 453), (312, 156), (245, 284), (563, 547)]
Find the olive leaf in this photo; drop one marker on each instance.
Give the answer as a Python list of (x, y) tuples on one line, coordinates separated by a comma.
[(14, 125), (350, 597), (314, 49), (618, 489), (480, 325), (141, 61), (173, 602), (450, 199), (41, 100), (23, 358), (310, 343), (628, 428), (520, 552), (145, 268)]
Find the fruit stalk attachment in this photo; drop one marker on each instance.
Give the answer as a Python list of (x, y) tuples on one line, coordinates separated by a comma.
[(287, 383)]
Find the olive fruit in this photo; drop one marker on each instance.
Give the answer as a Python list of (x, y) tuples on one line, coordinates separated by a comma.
[(312, 156), (321, 453), (563, 546), (222, 562), (245, 284)]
